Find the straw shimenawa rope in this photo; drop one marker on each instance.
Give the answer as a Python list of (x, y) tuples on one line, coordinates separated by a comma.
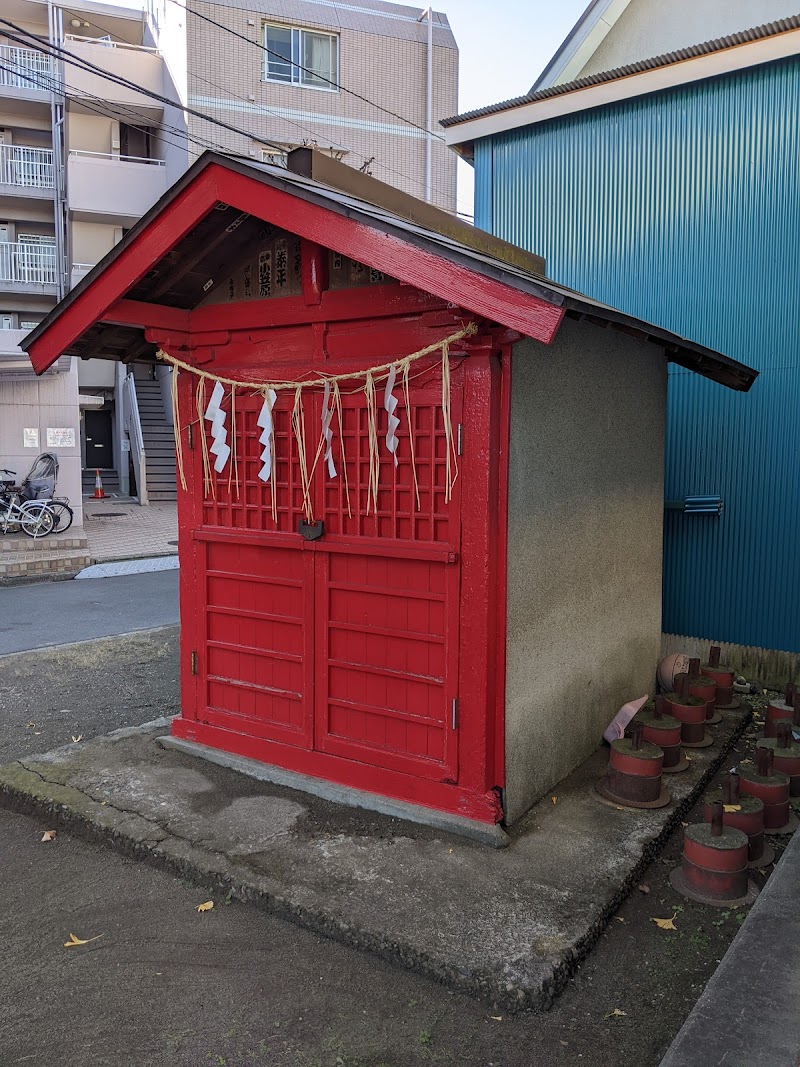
[(370, 376)]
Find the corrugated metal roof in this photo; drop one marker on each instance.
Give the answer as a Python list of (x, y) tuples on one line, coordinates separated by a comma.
[(758, 33), (687, 353)]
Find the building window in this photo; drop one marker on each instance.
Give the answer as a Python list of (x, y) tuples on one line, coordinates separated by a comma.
[(301, 57)]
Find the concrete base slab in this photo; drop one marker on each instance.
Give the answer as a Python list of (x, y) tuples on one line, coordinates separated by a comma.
[(494, 836), (510, 925)]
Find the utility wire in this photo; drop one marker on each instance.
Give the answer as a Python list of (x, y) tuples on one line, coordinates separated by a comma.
[(122, 109), (307, 70), (29, 40), (56, 51), (313, 134)]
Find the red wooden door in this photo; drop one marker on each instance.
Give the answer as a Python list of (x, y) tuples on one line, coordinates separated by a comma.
[(387, 589), (255, 586), (347, 645)]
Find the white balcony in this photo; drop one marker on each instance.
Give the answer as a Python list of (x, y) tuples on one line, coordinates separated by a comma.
[(142, 66), (116, 190), (79, 270), (26, 172), (28, 268), (24, 68)]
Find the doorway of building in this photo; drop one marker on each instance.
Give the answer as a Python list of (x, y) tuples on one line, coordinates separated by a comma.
[(99, 451)]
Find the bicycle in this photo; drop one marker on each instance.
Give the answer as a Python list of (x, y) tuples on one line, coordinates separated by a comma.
[(62, 513), (33, 517), (59, 506)]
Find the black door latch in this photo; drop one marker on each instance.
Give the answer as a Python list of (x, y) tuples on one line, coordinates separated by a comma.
[(311, 531)]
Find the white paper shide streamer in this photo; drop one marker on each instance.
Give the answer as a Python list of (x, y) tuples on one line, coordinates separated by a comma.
[(327, 432), (220, 448), (390, 403), (265, 422)]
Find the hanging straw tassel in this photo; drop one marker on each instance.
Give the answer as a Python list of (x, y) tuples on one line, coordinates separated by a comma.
[(200, 400), (374, 456), (298, 426), (176, 425), (233, 467), (451, 460), (337, 401), (410, 421)]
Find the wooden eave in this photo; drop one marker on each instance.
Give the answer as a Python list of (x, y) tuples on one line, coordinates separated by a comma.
[(156, 277)]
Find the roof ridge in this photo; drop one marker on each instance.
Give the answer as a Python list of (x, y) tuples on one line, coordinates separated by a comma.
[(666, 59)]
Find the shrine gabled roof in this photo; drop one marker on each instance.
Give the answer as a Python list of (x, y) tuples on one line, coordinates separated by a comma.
[(183, 244)]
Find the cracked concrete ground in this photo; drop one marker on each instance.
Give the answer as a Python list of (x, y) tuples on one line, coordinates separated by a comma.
[(507, 925)]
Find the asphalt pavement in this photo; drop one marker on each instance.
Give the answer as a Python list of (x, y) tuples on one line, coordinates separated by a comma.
[(54, 613)]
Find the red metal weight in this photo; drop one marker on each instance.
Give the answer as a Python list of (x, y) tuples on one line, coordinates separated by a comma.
[(723, 676), (786, 755), (772, 788), (664, 731), (785, 711), (749, 819), (714, 867), (706, 689), (691, 713), (633, 775)]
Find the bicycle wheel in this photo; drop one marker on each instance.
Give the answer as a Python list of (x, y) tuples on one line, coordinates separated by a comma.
[(37, 520), (62, 516)]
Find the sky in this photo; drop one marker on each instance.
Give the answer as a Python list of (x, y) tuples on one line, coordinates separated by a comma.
[(502, 54)]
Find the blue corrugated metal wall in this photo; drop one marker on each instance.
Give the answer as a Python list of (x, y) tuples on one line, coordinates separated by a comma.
[(683, 207)]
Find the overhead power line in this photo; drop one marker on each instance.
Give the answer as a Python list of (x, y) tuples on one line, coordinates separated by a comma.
[(312, 135), (307, 70), (56, 51), (29, 40)]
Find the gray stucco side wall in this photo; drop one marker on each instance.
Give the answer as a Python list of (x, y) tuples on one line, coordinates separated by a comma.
[(586, 500)]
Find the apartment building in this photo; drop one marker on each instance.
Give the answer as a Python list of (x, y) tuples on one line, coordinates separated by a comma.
[(82, 157), (366, 81)]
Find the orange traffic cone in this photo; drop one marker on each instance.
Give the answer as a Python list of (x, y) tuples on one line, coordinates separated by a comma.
[(98, 487)]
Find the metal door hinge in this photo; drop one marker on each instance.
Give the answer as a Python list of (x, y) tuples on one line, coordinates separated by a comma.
[(460, 440), (194, 662), (455, 713)]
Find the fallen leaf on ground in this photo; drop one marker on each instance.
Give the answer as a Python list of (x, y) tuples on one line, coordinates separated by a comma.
[(209, 904), (731, 807), (554, 799), (619, 918), (665, 924), (73, 940), (75, 739), (643, 887), (616, 1011), (48, 835)]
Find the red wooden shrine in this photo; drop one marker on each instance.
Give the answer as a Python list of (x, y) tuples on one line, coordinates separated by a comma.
[(372, 656)]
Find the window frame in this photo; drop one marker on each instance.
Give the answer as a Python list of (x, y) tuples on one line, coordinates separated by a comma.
[(296, 65)]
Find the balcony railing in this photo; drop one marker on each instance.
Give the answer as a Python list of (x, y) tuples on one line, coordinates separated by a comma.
[(24, 68), (27, 264), (116, 158), (106, 42), (31, 168)]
